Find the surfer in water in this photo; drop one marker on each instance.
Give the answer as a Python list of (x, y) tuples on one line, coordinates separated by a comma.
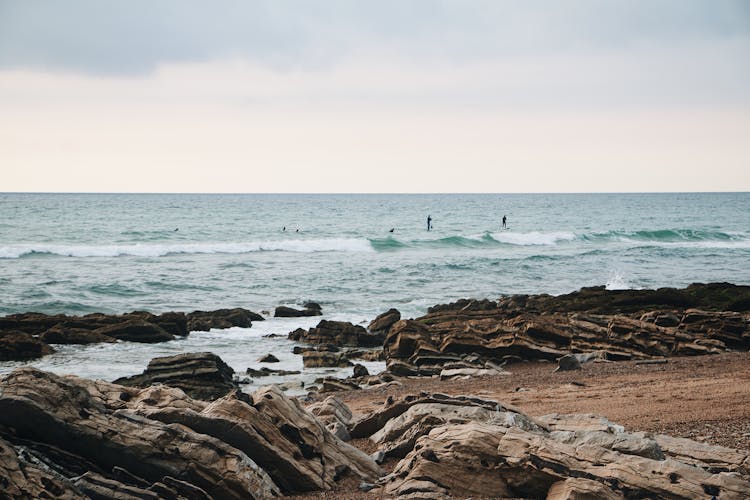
[(429, 223), (505, 226)]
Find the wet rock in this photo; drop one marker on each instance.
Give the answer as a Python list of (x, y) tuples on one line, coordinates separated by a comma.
[(360, 371), (201, 375), (221, 318), (20, 346), (136, 330), (339, 333), (265, 372), (290, 312), (60, 334), (268, 358), (384, 321)]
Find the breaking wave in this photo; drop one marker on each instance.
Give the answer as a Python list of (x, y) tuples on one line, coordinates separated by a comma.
[(160, 250)]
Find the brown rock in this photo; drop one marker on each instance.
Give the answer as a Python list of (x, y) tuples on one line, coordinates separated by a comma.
[(318, 359), (20, 346), (384, 321), (202, 375), (61, 334), (87, 420)]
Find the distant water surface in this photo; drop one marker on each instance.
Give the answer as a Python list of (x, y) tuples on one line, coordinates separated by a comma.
[(81, 253)]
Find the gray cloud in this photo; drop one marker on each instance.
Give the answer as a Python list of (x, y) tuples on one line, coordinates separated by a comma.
[(134, 37)]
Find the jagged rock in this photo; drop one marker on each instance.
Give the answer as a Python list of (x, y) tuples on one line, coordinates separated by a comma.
[(97, 486), (616, 325), (339, 333), (475, 454), (157, 442), (268, 358), (20, 346), (317, 359), (88, 420), (335, 415), (60, 334), (202, 375), (278, 434), (398, 436), (296, 335), (383, 322), (136, 330), (221, 318), (24, 476), (290, 312)]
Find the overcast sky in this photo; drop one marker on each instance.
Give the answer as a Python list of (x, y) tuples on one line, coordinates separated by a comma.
[(384, 96)]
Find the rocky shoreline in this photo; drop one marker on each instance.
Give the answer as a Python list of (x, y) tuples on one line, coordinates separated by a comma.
[(184, 429)]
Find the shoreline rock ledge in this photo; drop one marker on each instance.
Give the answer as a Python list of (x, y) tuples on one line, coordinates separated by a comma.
[(614, 324), (68, 437)]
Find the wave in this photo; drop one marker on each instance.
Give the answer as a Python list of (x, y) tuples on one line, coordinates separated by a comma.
[(663, 237), (160, 250)]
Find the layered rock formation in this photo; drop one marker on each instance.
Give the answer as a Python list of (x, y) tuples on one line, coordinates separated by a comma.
[(67, 437), (202, 375), (618, 325), (465, 446)]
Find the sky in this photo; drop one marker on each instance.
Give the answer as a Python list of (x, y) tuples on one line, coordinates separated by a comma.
[(386, 96)]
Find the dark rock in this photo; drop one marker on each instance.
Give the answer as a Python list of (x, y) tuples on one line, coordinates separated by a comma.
[(202, 375), (265, 372), (60, 334), (297, 334), (289, 312), (221, 319), (20, 346), (136, 330), (340, 333), (268, 358), (384, 321), (568, 362), (360, 371)]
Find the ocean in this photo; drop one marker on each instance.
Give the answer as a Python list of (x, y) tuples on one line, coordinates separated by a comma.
[(113, 253)]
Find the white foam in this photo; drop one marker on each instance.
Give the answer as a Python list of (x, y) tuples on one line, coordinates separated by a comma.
[(159, 250), (533, 238), (616, 281)]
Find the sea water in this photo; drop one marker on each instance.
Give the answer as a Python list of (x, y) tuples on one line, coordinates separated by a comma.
[(356, 255)]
